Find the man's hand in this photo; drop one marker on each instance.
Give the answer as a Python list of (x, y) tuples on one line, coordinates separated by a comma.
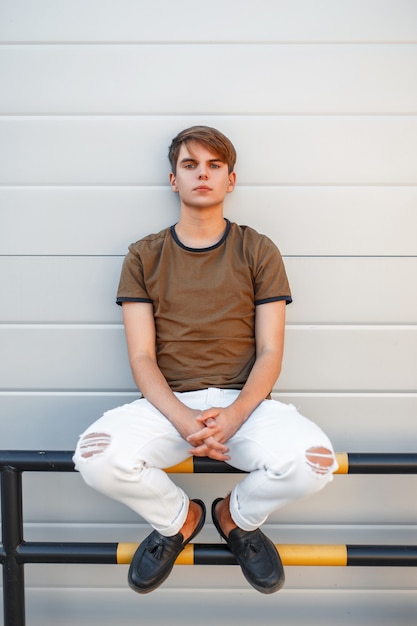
[(218, 425), (192, 424)]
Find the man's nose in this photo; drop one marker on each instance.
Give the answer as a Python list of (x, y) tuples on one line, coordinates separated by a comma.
[(203, 172)]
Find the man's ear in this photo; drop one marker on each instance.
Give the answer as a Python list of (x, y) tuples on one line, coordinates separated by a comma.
[(173, 182), (232, 182)]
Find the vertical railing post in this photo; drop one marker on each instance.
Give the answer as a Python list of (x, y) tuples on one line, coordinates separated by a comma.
[(12, 537)]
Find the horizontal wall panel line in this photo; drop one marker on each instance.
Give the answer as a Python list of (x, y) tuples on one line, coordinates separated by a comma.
[(206, 42), (393, 597), (75, 391), (156, 187), (296, 394), (348, 392), (278, 393), (356, 394), (293, 527), (106, 326), (60, 326), (284, 256), (293, 185), (193, 114), (203, 113), (331, 256), (242, 187), (88, 256), (270, 186)]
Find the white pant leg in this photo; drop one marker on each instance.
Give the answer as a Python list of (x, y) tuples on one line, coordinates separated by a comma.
[(129, 445), (273, 445), (121, 455)]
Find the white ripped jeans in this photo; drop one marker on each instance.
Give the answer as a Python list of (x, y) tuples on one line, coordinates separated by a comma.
[(285, 455)]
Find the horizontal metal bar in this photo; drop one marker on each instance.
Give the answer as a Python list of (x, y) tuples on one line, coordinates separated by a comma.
[(219, 554), (349, 462), (393, 556), (70, 552), (382, 463), (37, 461)]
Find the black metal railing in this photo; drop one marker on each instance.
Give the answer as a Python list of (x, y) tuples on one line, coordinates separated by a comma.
[(15, 551)]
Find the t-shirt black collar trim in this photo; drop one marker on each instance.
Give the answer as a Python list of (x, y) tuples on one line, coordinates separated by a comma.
[(216, 245)]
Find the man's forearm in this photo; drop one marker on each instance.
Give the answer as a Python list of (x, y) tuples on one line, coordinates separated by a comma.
[(154, 387), (261, 380)]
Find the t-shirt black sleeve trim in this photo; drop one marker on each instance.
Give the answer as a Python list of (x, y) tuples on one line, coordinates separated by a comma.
[(288, 300), (122, 299)]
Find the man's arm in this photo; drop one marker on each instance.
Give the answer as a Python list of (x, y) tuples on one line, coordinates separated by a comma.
[(269, 337), (141, 344), (269, 334)]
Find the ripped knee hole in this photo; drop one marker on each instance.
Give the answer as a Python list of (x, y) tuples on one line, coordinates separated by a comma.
[(93, 444), (320, 460)]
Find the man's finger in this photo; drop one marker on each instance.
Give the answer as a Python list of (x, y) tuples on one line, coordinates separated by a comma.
[(200, 435)]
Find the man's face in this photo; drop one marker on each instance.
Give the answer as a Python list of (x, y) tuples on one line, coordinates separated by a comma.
[(202, 179)]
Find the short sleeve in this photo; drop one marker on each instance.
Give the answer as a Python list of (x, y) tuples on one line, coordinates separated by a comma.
[(270, 277), (131, 285)]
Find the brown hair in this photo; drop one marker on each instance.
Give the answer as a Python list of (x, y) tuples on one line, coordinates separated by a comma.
[(211, 138)]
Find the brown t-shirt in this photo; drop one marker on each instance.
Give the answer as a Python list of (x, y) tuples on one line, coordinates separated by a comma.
[(204, 302)]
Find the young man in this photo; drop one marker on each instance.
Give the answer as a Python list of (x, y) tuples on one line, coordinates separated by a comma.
[(204, 314)]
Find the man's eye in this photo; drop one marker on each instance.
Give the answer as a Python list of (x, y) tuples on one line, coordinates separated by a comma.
[(214, 166), (189, 166)]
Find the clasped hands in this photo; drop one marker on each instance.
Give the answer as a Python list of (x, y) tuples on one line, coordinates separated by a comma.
[(218, 425)]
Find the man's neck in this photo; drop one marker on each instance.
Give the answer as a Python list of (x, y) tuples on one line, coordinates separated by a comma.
[(200, 229)]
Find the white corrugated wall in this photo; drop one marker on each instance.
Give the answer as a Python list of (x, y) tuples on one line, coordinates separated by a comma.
[(320, 99)]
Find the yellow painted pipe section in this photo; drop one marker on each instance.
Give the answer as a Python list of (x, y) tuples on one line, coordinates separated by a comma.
[(187, 556), (125, 552), (313, 554), (343, 460), (185, 467), (333, 555)]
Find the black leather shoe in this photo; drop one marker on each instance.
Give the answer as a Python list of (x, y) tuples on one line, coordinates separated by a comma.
[(154, 559), (256, 554)]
